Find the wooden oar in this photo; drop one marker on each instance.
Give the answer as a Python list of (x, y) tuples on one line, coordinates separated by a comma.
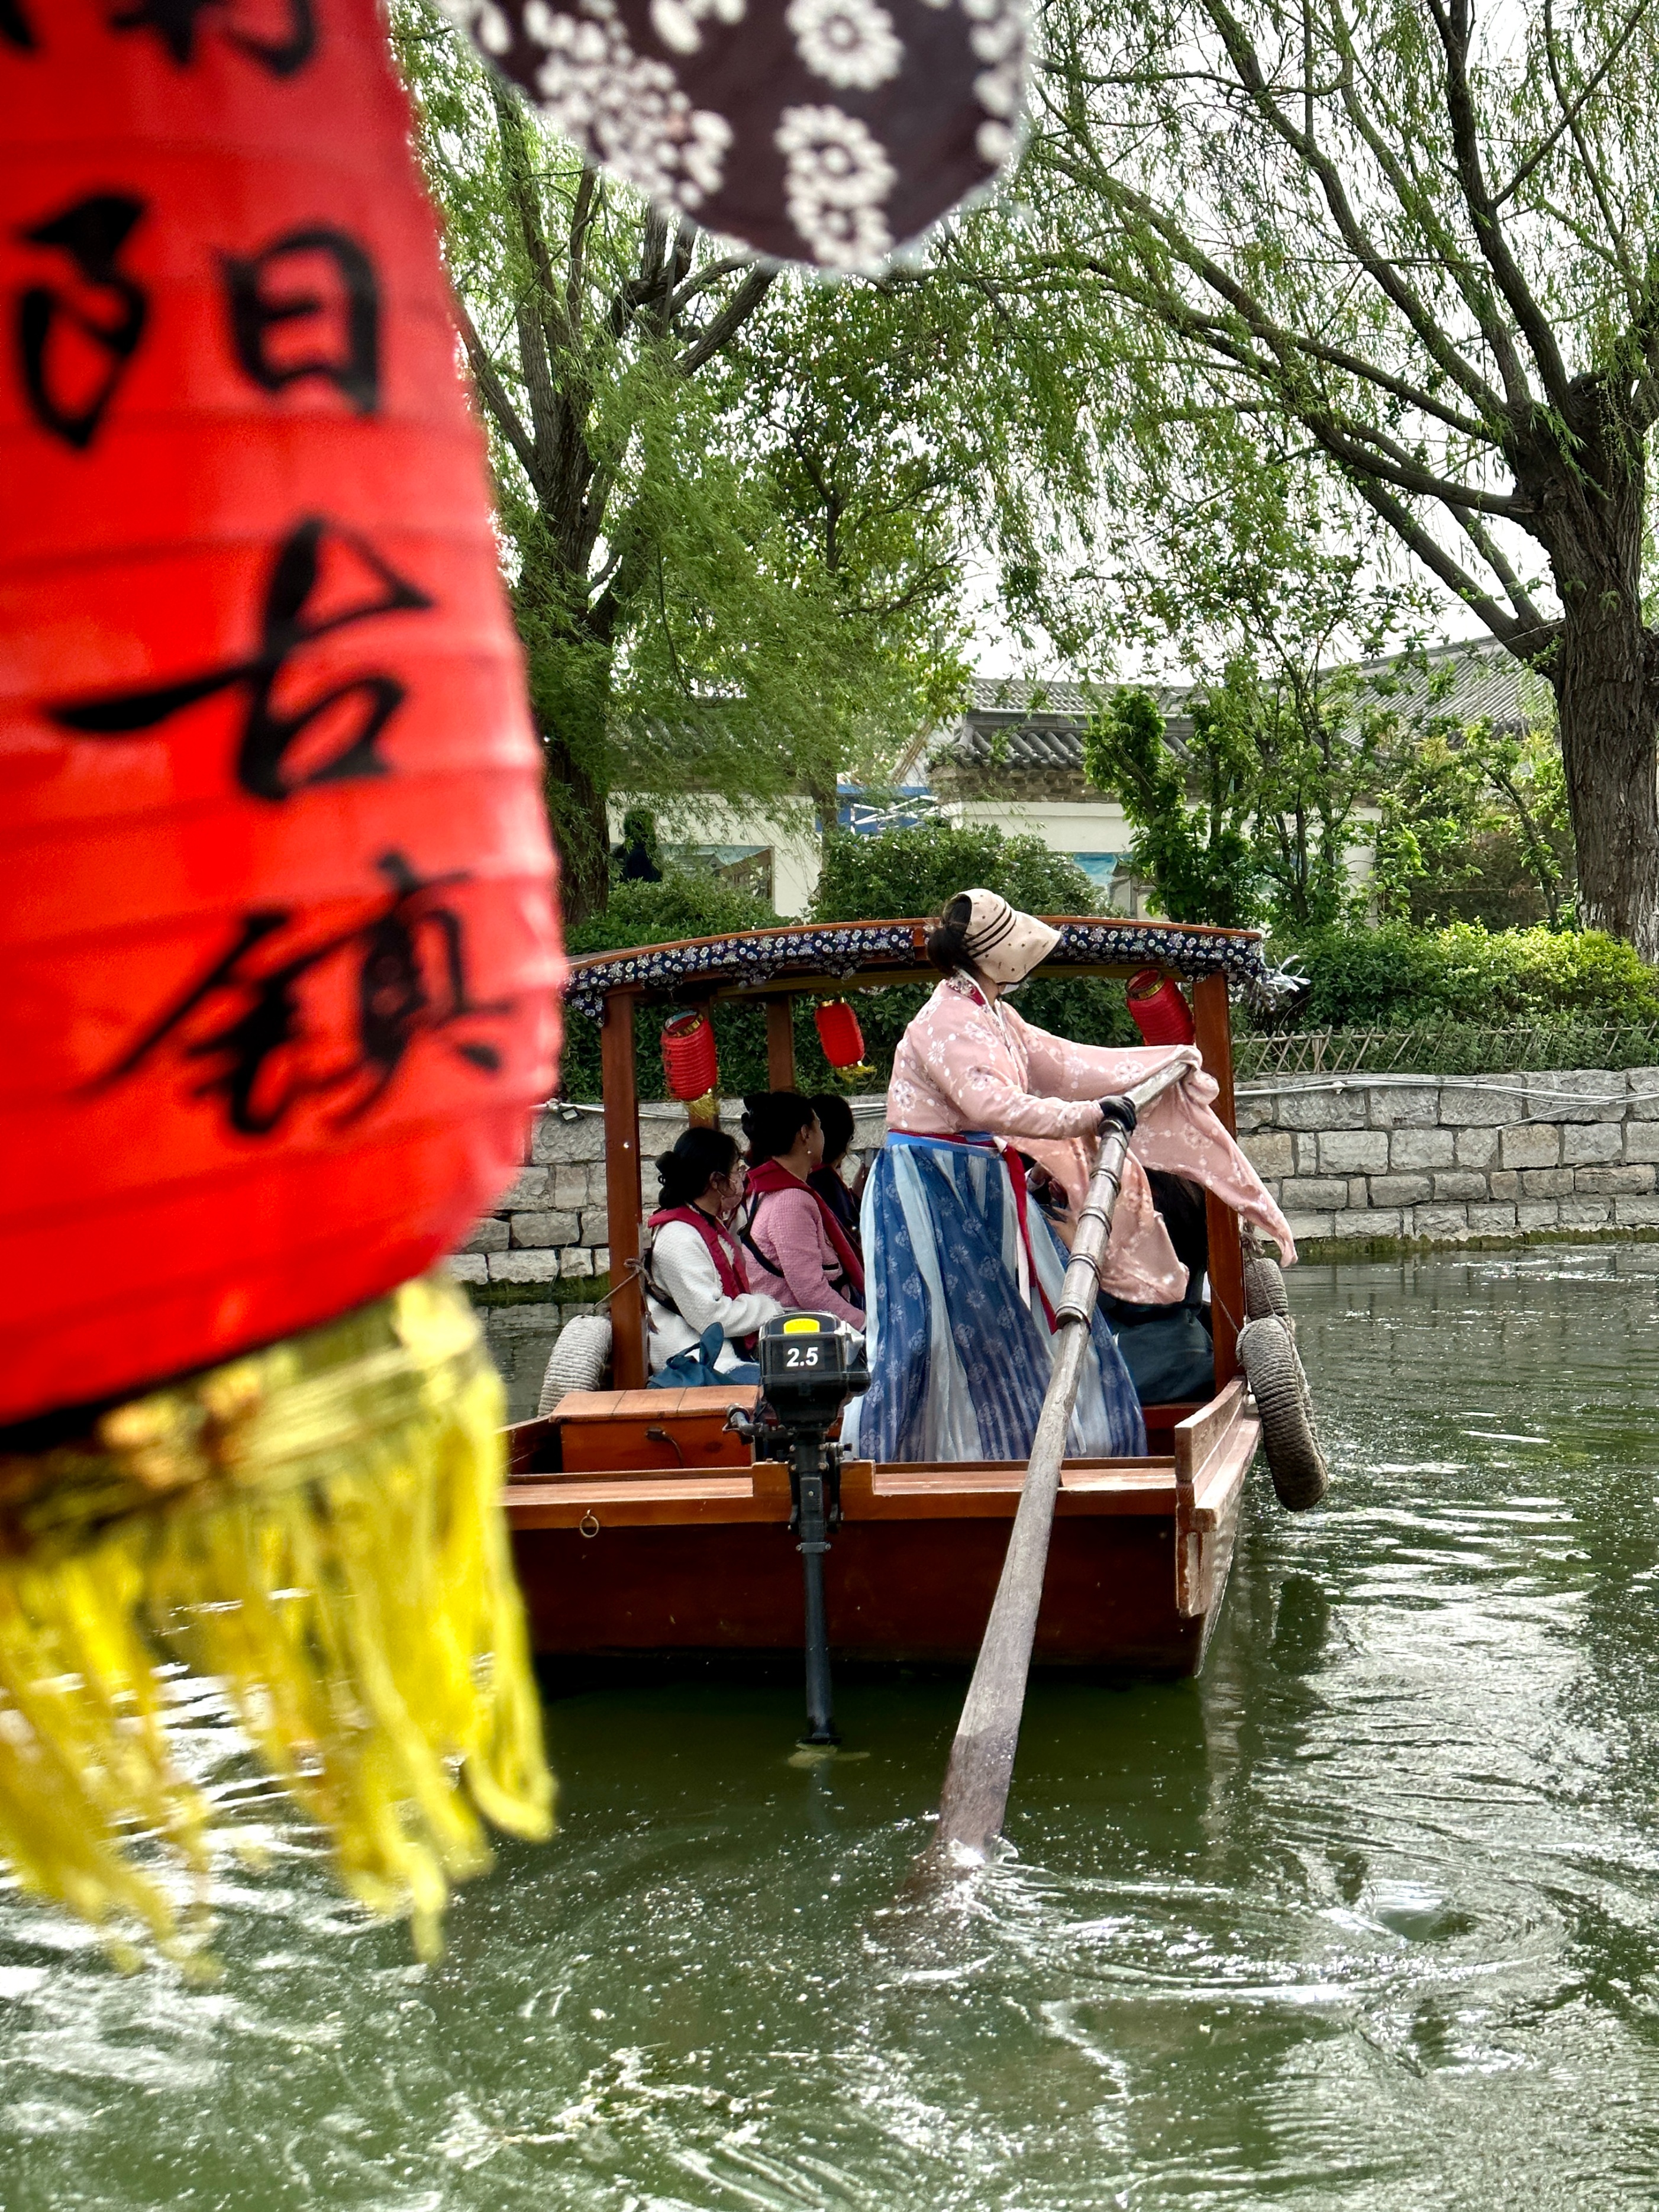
[(981, 1766)]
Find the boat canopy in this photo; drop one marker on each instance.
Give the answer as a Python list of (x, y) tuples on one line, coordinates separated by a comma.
[(831, 956)]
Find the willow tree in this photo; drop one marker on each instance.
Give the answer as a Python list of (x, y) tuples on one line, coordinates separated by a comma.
[(1419, 246), (735, 564)]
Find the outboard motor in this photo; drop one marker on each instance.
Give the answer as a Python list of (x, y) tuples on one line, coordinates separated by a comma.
[(810, 1366)]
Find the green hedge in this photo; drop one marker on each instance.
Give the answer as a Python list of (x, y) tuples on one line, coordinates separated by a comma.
[(1397, 976), (1570, 985)]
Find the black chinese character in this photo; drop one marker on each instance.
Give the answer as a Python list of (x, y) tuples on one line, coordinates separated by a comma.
[(53, 329), (271, 732), (258, 313), (15, 27), (264, 1023), (176, 22)]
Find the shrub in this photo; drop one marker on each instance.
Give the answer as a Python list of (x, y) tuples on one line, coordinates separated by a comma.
[(914, 872), (687, 902), (917, 872), (1398, 976)]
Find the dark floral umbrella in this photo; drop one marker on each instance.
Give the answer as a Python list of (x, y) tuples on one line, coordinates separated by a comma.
[(828, 131)]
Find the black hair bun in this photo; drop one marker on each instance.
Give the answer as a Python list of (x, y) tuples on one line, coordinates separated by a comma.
[(947, 940)]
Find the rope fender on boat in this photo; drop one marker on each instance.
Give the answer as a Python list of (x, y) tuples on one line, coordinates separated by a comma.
[(1273, 1367)]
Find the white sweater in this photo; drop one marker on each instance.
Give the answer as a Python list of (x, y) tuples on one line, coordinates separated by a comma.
[(683, 1264)]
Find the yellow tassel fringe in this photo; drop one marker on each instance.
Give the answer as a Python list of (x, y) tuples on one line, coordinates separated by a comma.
[(318, 1525)]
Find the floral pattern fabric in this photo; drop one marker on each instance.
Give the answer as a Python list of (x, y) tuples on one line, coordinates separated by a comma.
[(849, 948), (830, 131), (964, 1063)]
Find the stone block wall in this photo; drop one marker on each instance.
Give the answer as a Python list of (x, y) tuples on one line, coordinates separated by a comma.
[(1420, 1159), (1441, 1160), (552, 1226)]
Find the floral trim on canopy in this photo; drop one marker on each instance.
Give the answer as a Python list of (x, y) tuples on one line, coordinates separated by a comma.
[(843, 949), (829, 132)]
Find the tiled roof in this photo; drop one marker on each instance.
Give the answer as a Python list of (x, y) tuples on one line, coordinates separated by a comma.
[(1016, 724)]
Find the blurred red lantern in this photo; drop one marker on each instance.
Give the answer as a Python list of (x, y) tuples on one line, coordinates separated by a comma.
[(1157, 1008), (839, 1034), (689, 1060), (279, 954)]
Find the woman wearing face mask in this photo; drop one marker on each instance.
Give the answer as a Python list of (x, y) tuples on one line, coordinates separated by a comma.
[(703, 1314), (964, 1273)]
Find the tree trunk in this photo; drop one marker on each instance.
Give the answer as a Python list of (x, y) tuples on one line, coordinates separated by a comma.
[(576, 808), (570, 670), (1604, 671)]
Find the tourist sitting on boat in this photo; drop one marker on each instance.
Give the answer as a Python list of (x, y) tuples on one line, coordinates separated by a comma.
[(1167, 1348), (799, 1250), (702, 1312), (835, 1119), (964, 1271)]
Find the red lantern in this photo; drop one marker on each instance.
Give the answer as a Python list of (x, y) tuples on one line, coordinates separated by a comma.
[(280, 956), (1157, 1008), (689, 1060), (839, 1034)]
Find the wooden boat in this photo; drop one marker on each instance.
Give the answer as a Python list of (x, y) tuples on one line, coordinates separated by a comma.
[(644, 1526)]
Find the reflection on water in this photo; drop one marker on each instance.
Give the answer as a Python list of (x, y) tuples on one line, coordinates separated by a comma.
[(1369, 1916)]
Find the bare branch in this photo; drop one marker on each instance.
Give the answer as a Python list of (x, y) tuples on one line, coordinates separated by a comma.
[(494, 394), (1453, 24), (725, 326)]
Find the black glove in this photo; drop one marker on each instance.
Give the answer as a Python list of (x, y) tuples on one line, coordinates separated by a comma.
[(1116, 1114)]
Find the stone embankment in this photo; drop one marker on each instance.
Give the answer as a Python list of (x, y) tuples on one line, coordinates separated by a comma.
[(1457, 1159), (1352, 1159)]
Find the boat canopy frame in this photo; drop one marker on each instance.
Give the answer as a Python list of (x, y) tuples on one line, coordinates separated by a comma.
[(774, 967)]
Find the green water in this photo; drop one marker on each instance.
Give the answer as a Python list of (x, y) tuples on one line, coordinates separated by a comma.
[(1367, 1916)]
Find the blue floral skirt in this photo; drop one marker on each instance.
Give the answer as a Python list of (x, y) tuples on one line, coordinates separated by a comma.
[(958, 1361)]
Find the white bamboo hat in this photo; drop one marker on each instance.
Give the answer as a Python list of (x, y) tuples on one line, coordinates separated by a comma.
[(1004, 944)]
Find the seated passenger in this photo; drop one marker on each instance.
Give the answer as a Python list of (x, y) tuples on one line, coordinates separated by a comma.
[(703, 1314), (1168, 1349), (835, 1119), (791, 1232)]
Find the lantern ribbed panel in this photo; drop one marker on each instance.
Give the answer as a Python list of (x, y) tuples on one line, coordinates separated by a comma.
[(839, 1034), (1159, 1011), (274, 869), (688, 1060)]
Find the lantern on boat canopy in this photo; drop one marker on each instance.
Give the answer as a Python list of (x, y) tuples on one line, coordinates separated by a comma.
[(1159, 1009), (281, 956), (690, 1066), (842, 1040)]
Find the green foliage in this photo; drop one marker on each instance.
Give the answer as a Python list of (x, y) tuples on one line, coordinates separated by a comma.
[(1200, 858), (685, 904), (906, 873), (1398, 976), (1475, 828), (914, 872), (1374, 266)]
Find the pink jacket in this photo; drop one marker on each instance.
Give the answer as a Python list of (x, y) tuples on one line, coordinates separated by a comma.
[(967, 1064), (787, 1231)]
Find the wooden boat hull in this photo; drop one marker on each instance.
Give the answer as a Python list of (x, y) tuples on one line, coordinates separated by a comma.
[(677, 1559)]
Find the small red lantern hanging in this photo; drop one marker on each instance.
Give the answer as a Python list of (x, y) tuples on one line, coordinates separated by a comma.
[(839, 1034), (1157, 1008), (689, 1059)]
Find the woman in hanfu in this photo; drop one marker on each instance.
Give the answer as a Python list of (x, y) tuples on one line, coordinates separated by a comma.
[(963, 1273)]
